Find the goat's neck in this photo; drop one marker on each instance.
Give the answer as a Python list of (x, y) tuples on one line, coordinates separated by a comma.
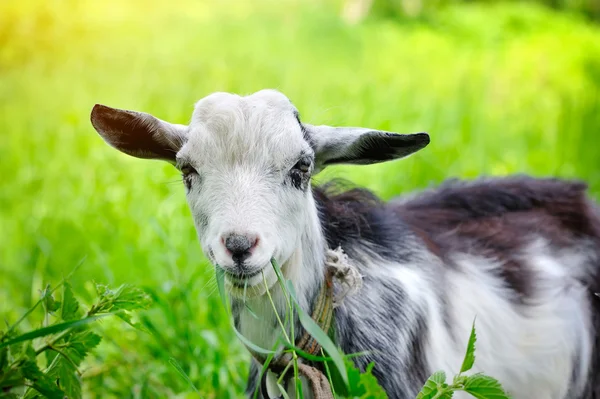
[(305, 269)]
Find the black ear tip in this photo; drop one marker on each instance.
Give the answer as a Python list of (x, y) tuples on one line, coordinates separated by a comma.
[(101, 109), (100, 116), (98, 110), (423, 138)]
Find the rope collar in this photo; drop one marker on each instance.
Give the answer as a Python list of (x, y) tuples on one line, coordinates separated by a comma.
[(322, 315)]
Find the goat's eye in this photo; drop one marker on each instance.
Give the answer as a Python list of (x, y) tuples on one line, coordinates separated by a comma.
[(300, 173), (303, 165), (187, 172)]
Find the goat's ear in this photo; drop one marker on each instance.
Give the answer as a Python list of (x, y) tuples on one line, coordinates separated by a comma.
[(138, 134), (360, 146)]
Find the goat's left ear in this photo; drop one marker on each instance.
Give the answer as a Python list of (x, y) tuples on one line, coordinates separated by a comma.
[(360, 146), (138, 134)]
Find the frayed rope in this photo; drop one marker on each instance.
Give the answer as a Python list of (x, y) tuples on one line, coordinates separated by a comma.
[(350, 279)]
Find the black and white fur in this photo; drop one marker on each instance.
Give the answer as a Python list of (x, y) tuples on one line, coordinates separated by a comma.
[(521, 255)]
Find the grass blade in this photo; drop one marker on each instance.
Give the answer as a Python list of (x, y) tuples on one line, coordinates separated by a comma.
[(41, 332), (251, 345), (317, 333), (220, 276), (177, 367)]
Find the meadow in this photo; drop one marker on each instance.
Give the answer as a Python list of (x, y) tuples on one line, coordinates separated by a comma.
[(501, 88)]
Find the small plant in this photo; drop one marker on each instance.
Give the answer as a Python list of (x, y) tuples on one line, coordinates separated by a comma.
[(478, 385), (45, 362)]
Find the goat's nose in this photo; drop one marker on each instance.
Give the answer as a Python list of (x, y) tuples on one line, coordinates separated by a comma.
[(239, 245)]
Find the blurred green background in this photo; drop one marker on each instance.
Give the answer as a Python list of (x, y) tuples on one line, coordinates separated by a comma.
[(502, 88)]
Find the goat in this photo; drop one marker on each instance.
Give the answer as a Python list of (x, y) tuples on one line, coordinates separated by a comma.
[(520, 255)]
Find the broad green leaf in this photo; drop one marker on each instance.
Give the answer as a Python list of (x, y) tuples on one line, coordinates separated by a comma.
[(130, 297), (433, 385), (70, 307), (64, 373), (124, 297), (126, 317), (40, 381), (53, 329), (470, 354), (363, 385), (63, 368), (484, 387), (79, 344), (319, 335), (10, 378)]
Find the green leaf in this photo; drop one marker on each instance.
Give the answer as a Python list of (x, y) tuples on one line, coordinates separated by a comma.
[(250, 344), (283, 391), (319, 335), (40, 381), (70, 307), (124, 297), (53, 329), (130, 297), (63, 368), (11, 378), (64, 373), (79, 344), (484, 387), (363, 385), (127, 318), (433, 385), (470, 354)]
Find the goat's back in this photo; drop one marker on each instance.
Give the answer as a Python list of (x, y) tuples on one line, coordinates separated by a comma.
[(505, 219)]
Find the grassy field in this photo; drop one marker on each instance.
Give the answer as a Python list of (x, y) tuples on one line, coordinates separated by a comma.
[(501, 89)]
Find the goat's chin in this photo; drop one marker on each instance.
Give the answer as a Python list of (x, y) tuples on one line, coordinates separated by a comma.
[(252, 287)]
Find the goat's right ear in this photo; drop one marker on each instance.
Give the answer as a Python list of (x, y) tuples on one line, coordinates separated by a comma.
[(138, 134)]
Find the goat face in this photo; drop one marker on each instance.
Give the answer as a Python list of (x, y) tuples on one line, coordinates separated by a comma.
[(246, 164)]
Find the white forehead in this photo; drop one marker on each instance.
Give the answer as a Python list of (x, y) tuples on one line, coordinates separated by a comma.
[(261, 128)]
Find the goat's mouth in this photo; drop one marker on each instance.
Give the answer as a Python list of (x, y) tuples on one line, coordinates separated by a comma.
[(250, 285), (241, 279)]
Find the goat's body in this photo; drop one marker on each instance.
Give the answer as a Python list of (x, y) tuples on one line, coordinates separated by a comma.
[(521, 256)]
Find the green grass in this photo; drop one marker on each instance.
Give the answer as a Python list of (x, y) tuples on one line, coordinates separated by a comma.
[(500, 88)]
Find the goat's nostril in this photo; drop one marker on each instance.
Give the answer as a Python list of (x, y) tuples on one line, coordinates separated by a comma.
[(239, 246)]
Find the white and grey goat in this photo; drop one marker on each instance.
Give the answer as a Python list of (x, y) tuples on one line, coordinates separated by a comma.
[(520, 255)]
